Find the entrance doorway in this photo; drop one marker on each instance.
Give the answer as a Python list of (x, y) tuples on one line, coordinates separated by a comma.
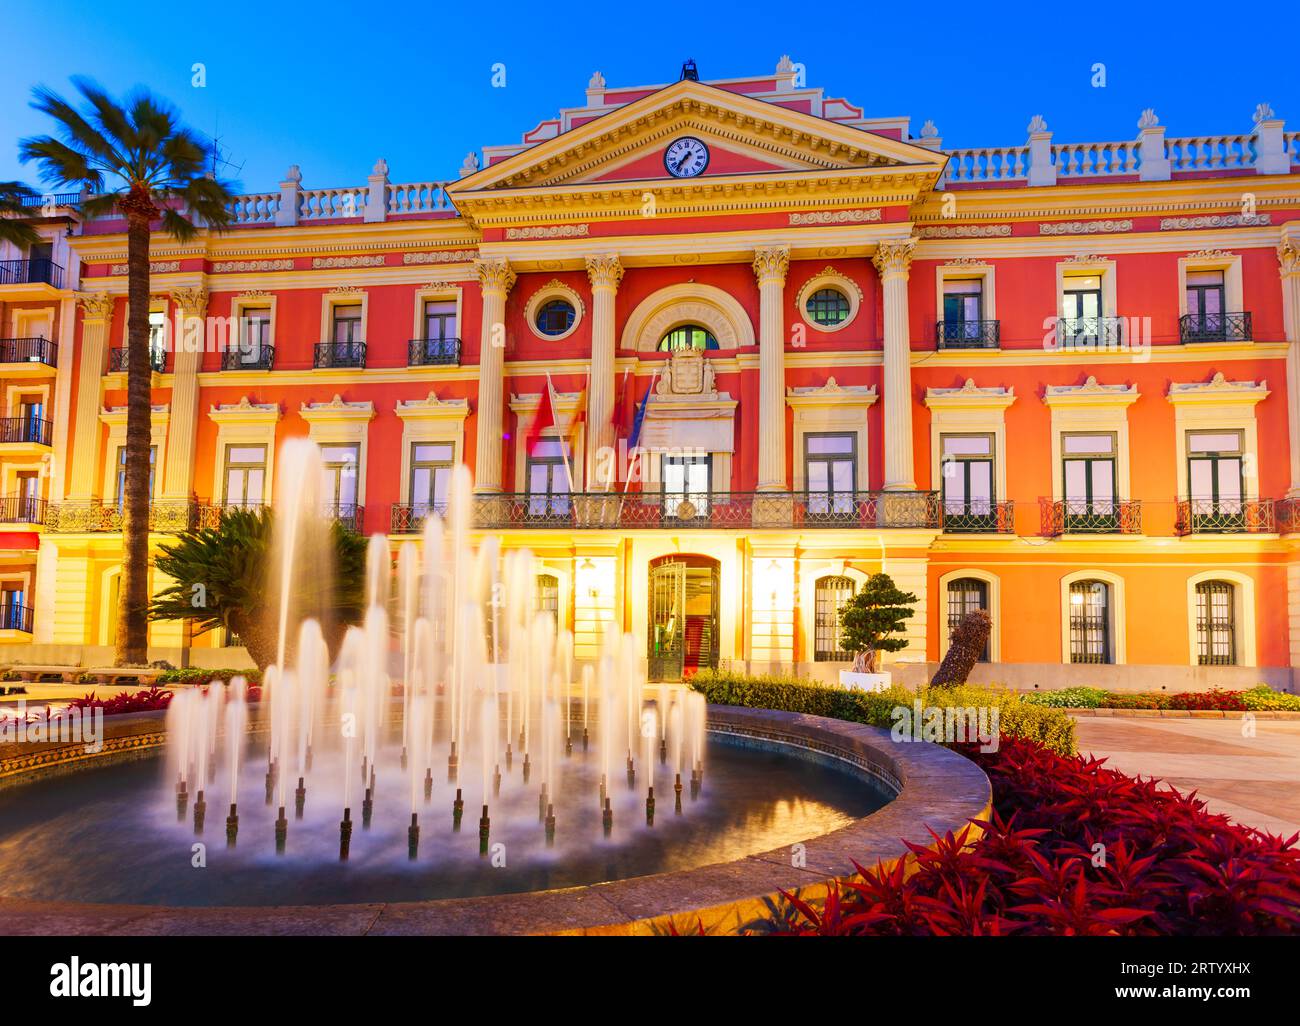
[(682, 633)]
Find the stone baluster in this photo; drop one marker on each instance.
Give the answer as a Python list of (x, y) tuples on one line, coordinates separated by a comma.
[(892, 259), (770, 266), (496, 278)]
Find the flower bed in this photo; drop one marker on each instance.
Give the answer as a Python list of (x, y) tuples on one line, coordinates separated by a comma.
[(1072, 848), (1261, 698)]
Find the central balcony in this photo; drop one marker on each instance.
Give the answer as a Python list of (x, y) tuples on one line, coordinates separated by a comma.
[(329, 355), (1220, 327), (1085, 333), (677, 511), (29, 350), (968, 334), (31, 272), (26, 429), (1079, 516), (433, 352), (119, 360)]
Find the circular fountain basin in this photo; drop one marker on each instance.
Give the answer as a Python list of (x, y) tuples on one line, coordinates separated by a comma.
[(789, 801)]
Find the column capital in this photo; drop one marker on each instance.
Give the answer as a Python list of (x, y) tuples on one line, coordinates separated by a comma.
[(894, 256), (192, 301), (495, 275), (95, 306), (1288, 257), (604, 271), (771, 264)]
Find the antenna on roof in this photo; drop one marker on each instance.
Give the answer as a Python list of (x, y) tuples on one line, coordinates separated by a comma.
[(219, 157), (689, 72)]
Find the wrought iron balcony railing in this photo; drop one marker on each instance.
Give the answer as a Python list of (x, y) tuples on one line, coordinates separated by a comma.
[(433, 352), (339, 354), (979, 517), (14, 616), (256, 358), (968, 334), (119, 359), (26, 429), (1079, 516), (31, 272), (29, 350), (1288, 516), (22, 509), (1225, 516), (1220, 327), (1084, 333), (679, 511), (165, 516), (349, 514)]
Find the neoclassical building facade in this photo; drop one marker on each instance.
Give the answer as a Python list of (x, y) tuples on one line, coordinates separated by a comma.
[(1056, 381)]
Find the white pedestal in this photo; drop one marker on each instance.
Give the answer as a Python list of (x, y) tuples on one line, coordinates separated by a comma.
[(865, 681)]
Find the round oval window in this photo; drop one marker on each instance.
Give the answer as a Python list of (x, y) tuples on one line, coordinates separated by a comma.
[(555, 317), (828, 307)]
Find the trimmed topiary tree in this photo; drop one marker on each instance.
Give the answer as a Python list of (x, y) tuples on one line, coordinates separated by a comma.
[(968, 642), (871, 621)]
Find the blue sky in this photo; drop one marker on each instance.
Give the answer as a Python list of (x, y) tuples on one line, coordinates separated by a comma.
[(332, 86)]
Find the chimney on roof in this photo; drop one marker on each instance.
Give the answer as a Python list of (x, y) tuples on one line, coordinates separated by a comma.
[(689, 72)]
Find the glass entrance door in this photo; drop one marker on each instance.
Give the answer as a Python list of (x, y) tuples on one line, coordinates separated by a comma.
[(667, 628)]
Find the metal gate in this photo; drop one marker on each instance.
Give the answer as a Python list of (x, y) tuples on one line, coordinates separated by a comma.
[(667, 620)]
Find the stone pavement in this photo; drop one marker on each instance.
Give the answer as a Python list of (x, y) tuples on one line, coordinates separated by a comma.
[(1254, 780)]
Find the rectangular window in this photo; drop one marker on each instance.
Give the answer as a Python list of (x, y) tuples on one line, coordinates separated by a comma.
[(546, 476), (431, 467), (1216, 627), (346, 326), (963, 308), (831, 473), (1205, 295), (1090, 622), (1081, 312), (439, 319), (968, 475), (1216, 478), (686, 479), (340, 467), (28, 501), (245, 475), (965, 595), (254, 333), (13, 606), (830, 595), (158, 339), (1088, 470), (121, 472)]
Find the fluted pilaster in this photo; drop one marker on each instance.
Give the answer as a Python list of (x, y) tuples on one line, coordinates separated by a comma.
[(893, 259), (188, 341), (496, 278), (605, 272), (96, 318), (770, 266), (1288, 256)]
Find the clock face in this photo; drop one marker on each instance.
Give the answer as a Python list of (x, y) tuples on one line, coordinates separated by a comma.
[(686, 157)]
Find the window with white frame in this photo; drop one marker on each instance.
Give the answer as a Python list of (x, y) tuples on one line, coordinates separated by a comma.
[(432, 464), (245, 476)]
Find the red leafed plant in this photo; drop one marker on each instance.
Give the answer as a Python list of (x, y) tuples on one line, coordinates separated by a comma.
[(1230, 701), (1072, 847), (147, 700)]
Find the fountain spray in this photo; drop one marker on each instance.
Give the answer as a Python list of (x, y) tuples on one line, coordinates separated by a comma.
[(586, 706), (236, 721)]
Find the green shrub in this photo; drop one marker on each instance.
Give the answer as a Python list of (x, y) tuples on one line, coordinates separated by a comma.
[(1263, 698), (1068, 698), (198, 675), (1016, 718), (1135, 700)]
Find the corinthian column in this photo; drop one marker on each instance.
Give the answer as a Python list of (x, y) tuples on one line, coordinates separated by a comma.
[(770, 266), (605, 272), (892, 259), (96, 317), (1288, 256), (495, 278), (188, 340)]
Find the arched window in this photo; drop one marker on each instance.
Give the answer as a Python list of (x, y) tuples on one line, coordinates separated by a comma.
[(546, 598), (965, 595), (688, 336), (1216, 623), (827, 306), (830, 595), (1090, 627)]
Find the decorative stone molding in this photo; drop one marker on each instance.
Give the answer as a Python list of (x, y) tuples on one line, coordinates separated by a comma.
[(688, 303), (556, 231), (446, 256), (254, 295), (1218, 391), (337, 409), (604, 271), (970, 396), (495, 276), (1148, 119), (829, 278), (166, 267), (554, 289), (1085, 227), (237, 266), (345, 292), (894, 256), (1214, 221), (244, 412), (95, 306), (1211, 254), (831, 391), (771, 264), (432, 407), (965, 231), (192, 301), (1288, 257), (325, 263), (836, 217), (687, 373), (1091, 393)]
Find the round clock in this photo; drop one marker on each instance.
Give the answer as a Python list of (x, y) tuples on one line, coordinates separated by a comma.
[(686, 157)]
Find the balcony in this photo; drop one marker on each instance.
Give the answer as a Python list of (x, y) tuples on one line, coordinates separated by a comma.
[(14, 616), (29, 350), (1075, 334), (433, 352), (1078, 516), (347, 514), (968, 334), (979, 518), (675, 511), (22, 509), (26, 429), (1220, 327), (1225, 516), (330, 355), (31, 272), (165, 517), (119, 360), (258, 358)]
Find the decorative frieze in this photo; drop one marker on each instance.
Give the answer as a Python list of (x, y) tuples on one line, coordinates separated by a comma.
[(167, 267), (446, 256), (1214, 221), (836, 217), (554, 231), (325, 263), (965, 231), (1085, 227), (244, 266)]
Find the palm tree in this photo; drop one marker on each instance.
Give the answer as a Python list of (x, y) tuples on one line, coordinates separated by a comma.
[(137, 158), (223, 577), (16, 201)]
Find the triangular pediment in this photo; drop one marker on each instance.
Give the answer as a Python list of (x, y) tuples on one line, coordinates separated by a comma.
[(745, 137)]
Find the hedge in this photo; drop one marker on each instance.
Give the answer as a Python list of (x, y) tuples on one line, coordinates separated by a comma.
[(1262, 698)]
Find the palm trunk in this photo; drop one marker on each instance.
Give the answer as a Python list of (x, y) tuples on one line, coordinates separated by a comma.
[(132, 623)]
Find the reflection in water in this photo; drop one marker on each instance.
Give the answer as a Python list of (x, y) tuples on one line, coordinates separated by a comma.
[(105, 835)]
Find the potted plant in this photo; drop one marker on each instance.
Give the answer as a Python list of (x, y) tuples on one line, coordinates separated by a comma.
[(871, 622)]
